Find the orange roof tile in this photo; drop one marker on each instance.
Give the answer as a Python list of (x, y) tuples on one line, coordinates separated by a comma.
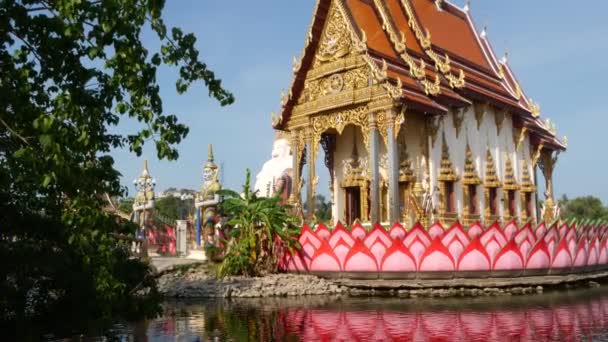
[(366, 19), (450, 32)]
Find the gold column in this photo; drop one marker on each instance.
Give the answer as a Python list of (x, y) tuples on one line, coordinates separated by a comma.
[(548, 160), (312, 141)]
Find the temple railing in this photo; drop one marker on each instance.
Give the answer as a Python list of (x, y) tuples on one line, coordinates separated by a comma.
[(493, 251)]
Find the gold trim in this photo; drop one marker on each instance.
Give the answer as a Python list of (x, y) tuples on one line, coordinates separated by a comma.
[(519, 135)]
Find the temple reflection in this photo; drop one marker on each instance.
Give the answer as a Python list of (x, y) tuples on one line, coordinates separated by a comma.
[(558, 316)]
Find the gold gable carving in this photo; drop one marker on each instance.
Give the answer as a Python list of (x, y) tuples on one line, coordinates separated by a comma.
[(349, 80), (336, 41)]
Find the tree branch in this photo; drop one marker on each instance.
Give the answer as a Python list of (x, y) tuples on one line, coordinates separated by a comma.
[(13, 132)]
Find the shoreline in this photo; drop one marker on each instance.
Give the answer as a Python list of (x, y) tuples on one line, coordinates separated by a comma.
[(199, 281)]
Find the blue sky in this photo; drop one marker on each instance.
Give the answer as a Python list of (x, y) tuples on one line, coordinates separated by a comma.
[(557, 49)]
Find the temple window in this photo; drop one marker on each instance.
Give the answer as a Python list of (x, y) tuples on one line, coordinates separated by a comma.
[(406, 182), (510, 188), (473, 200), (471, 182), (450, 203), (492, 203), (491, 184), (528, 204), (447, 178), (527, 190), (511, 203)]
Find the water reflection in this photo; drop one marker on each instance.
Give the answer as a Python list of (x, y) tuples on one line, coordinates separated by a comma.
[(560, 316)]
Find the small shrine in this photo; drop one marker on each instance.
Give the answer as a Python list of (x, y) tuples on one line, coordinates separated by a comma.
[(418, 119)]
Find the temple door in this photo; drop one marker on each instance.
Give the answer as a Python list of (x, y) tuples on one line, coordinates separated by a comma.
[(353, 204)]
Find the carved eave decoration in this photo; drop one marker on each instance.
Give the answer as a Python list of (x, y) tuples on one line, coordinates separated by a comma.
[(458, 118), (446, 172), (491, 179), (433, 123), (499, 119), (535, 153), (519, 135), (470, 176), (424, 39), (480, 109), (527, 186), (534, 109), (510, 182)]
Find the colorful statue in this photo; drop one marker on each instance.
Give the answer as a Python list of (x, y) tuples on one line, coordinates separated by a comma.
[(207, 202), (144, 201), (143, 207), (276, 175)]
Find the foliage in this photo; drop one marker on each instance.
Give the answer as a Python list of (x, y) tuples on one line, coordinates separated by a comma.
[(125, 205), (262, 229), (71, 71), (322, 209), (172, 207), (587, 207)]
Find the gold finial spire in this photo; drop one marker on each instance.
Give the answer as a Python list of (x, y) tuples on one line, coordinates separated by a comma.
[(145, 173), (210, 153)]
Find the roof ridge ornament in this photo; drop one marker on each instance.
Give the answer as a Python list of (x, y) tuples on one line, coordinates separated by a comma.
[(467, 6), (439, 5), (534, 109)]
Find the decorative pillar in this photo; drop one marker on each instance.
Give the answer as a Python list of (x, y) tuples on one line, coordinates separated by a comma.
[(393, 169), (198, 227), (547, 165), (295, 167), (374, 169), (312, 146)]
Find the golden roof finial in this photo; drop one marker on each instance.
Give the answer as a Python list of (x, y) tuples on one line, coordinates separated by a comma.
[(210, 164), (210, 153), (145, 173)]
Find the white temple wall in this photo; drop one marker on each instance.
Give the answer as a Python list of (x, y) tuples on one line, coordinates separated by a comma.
[(501, 145)]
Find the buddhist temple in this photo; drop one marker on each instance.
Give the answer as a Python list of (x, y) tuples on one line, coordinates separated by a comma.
[(418, 118)]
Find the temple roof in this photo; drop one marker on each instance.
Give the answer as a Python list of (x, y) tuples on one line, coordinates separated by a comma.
[(440, 37)]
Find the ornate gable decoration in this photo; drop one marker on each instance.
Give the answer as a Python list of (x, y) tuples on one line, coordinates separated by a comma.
[(446, 172), (510, 182), (337, 40), (470, 173), (491, 179)]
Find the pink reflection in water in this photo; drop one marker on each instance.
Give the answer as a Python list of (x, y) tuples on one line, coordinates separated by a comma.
[(562, 323)]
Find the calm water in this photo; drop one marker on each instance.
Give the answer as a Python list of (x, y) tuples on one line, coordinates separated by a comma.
[(557, 316)]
